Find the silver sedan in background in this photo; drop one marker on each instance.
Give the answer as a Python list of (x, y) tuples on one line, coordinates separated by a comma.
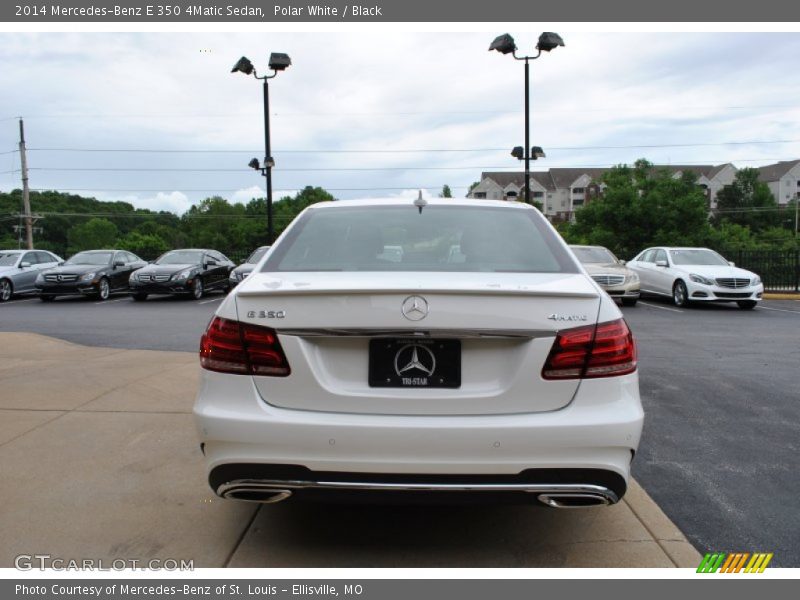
[(19, 268)]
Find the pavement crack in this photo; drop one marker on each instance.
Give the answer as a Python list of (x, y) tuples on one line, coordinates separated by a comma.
[(239, 541)]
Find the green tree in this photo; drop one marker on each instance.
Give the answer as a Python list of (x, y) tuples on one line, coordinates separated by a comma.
[(747, 202), (147, 246), (446, 192), (91, 235), (642, 206)]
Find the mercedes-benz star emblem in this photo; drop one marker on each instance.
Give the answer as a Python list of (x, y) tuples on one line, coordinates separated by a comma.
[(414, 357), (415, 308)]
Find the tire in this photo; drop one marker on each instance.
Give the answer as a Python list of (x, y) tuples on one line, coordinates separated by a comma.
[(140, 297), (680, 297), (747, 304), (47, 298), (197, 289), (629, 301), (6, 290), (103, 289)]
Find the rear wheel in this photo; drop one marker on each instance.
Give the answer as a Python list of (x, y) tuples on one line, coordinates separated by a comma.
[(679, 294), (6, 290), (197, 289), (47, 297), (103, 289), (747, 304), (140, 297), (629, 301)]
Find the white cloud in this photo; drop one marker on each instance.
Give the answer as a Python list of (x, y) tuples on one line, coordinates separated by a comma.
[(176, 202), (246, 194)]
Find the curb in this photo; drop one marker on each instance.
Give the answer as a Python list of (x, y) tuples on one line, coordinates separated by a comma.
[(782, 296), (664, 531)]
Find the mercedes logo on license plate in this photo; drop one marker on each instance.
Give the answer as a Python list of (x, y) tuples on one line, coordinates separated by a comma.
[(413, 359)]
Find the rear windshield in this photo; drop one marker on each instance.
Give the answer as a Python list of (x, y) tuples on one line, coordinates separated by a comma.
[(441, 238)]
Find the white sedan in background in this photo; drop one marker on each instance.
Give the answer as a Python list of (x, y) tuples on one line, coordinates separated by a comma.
[(695, 275), (344, 366)]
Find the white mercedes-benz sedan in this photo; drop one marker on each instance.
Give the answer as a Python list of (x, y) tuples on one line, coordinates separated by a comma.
[(695, 275), (479, 361)]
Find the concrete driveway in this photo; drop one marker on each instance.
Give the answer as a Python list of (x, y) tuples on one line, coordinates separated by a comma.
[(100, 461)]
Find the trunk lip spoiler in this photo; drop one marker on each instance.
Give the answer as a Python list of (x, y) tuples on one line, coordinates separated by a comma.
[(459, 333), (489, 291)]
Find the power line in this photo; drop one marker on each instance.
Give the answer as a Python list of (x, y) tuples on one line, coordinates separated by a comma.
[(405, 150), (407, 168), (363, 189), (330, 114)]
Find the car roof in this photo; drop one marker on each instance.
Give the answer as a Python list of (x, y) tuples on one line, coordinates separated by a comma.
[(398, 201)]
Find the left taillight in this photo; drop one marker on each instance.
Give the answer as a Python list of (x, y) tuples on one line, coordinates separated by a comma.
[(229, 346)]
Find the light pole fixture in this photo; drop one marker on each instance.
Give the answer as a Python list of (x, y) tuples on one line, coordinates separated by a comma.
[(504, 44), (278, 61)]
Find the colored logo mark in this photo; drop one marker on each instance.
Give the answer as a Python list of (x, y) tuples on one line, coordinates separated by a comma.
[(737, 562)]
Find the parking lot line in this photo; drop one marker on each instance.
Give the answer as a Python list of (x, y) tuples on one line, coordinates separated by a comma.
[(18, 301), (794, 312), (661, 307), (112, 301), (212, 300)]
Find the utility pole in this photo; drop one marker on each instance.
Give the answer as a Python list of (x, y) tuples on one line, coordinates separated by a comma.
[(26, 198)]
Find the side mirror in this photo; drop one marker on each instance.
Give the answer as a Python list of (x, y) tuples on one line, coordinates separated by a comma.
[(210, 263), (623, 262), (731, 263), (662, 263), (24, 265), (119, 263)]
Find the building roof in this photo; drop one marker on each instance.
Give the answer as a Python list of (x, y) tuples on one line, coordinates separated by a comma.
[(558, 177), (776, 171)]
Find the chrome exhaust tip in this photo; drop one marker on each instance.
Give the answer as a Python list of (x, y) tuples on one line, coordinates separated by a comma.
[(582, 500), (260, 495)]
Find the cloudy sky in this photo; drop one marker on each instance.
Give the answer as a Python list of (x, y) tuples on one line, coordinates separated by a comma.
[(158, 119)]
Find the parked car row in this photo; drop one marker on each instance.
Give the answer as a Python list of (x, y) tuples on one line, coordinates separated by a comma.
[(100, 273), (684, 274)]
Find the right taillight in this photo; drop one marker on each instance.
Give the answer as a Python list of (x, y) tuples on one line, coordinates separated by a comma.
[(602, 350), (229, 346)]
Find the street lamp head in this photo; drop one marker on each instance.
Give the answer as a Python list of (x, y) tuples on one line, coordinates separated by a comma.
[(537, 152), (549, 40), (504, 44), (518, 152), (254, 164), (278, 61), (243, 65)]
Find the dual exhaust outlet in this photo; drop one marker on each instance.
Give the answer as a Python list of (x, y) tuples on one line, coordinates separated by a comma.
[(554, 496)]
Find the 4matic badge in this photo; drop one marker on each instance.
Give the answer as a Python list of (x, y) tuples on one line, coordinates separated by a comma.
[(558, 317)]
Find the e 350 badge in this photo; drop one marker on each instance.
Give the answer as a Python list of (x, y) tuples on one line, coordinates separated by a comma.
[(266, 314)]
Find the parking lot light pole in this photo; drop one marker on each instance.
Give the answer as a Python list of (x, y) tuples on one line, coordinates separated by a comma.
[(277, 62), (504, 44)]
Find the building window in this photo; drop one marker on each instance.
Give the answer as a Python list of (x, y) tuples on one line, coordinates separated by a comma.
[(538, 194), (479, 195), (577, 202), (578, 190)]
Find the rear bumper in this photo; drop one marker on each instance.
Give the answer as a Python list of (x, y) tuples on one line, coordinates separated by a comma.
[(244, 439)]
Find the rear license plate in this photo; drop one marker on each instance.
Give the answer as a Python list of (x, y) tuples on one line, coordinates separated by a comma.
[(414, 363)]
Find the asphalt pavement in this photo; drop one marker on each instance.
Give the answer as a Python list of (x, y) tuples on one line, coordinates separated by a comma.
[(719, 386)]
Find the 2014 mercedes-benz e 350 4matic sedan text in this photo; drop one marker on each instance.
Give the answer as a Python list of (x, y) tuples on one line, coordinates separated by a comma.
[(479, 362)]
